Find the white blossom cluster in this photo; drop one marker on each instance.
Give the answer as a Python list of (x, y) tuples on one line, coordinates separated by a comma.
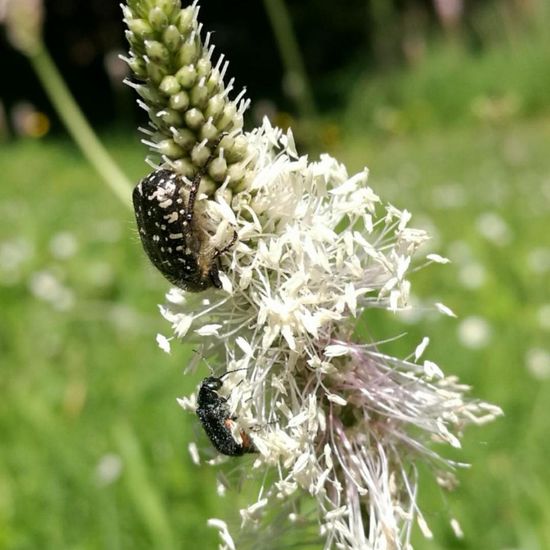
[(332, 418)]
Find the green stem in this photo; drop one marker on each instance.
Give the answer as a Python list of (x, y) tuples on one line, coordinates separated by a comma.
[(143, 493), (78, 126), (292, 58)]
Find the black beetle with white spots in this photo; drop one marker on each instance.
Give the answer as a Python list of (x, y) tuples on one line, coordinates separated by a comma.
[(171, 232)]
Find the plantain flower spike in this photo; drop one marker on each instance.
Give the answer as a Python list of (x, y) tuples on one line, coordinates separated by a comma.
[(181, 87), (334, 428)]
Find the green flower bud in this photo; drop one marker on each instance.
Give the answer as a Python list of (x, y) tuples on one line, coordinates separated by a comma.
[(238, 120), (239, 149), (228, 116), (235, 172), (169, 85), (194, 119), (208, 131), (140, 28), (186, 20), (214, 82), (204, 66), (137, 66), (189, 52), (169, 148), (157, 52), (184, 167), (207, 186), (179, 101), (172, 38), (127, 14), (200, 154), (155, 72), (241, 146), (217, 169), (158, 19), (133, 39), (170, 117), (187, 76), (169, 7), (215, 106), (186, 139), (199, 96), (227, 142)]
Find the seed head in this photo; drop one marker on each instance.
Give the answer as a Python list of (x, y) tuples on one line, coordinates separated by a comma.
[(181, 87)]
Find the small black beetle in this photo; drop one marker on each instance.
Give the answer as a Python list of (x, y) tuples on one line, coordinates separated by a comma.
[(216, 421), (171, 233)]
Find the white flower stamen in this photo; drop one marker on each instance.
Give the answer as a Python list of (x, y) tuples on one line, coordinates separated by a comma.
[(317, 249)]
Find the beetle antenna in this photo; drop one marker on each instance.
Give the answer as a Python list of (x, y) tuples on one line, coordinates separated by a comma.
[(204, 359), (230, 371)]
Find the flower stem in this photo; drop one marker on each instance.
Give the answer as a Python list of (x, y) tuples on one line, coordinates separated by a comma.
[(144, 494), (292, 58), (77, 125)]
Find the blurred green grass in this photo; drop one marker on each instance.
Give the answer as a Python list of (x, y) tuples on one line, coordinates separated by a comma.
[(94, 446), (451, 81)]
